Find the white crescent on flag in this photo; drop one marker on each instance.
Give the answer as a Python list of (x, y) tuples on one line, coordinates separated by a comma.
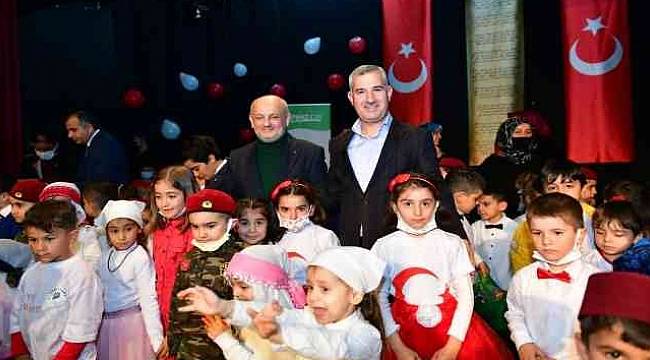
[(595, 68)]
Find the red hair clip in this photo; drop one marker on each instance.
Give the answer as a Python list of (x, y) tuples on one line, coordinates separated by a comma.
[(399, 179), (618, 197), (278, 187)]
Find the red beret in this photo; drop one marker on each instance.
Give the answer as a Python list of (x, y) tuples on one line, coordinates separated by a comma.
[(211, 201), (621, 294), (452, 163), (27, 190)]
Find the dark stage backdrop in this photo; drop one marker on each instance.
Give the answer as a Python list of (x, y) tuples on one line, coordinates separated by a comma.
[(85, 53)]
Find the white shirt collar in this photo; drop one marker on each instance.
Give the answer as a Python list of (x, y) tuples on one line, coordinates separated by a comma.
[(90, 140), (388, 119), (5, 211), (345, 323)]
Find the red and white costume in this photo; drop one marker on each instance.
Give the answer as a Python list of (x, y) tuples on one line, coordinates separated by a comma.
[(429, 278)]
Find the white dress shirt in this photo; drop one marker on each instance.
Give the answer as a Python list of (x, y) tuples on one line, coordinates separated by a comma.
[(57, 302), (545, 311), (133, 283), (351, 338), (441, 253), (364, 150), (493, 246)]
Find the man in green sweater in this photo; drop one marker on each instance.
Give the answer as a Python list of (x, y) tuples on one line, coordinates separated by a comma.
[(255, 168)]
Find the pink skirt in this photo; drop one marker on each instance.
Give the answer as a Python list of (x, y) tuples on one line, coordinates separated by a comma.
[(122, 335)]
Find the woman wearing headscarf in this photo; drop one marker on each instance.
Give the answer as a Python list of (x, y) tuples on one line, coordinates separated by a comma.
[(515, 152)]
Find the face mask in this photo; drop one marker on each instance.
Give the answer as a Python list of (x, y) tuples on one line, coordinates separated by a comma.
[(572, 256), (176, 216), (45, 155), (294, 225), (429, 226), (214, 245), (521, 143)]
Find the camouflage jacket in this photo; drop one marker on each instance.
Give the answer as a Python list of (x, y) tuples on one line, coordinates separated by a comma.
[(186, 337)]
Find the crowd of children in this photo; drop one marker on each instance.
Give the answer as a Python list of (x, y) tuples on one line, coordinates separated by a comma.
[(188, 273)]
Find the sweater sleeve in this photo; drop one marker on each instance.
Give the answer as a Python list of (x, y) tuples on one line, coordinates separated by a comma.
[(462, 288), (232, 348), (146, 288)]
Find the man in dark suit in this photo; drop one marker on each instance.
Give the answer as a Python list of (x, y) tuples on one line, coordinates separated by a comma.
[(364, 159), (254, 169), (104, 158)]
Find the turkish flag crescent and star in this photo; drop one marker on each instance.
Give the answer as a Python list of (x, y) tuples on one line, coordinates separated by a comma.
[(597, 80), (408, 55)]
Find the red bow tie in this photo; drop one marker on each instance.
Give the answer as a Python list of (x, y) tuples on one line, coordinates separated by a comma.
[(545, 274)]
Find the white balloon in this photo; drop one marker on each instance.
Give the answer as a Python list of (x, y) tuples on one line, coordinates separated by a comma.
[(312, 46), (240, 70), (170, 130)]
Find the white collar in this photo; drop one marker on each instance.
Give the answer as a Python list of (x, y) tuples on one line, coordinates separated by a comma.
[(90, 140), (500, 221), (345, 323), (385, 124), (5, 211)]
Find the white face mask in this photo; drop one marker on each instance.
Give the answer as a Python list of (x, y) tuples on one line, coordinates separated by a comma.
[(176, 216), (45, 155), (214, 245), (570, 257), (428, 227), (294, 225)]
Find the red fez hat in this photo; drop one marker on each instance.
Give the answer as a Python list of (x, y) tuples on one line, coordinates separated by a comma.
[(27, 190), (65, 189), (621, 294), (211, 201), (452, 163)]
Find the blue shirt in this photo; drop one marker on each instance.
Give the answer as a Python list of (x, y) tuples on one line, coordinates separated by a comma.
[(635, 259), (364, 150)]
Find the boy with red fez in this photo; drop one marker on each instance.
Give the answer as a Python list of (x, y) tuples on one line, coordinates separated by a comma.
[(615, 317), (544, 297), (210, 215), (23, 195)]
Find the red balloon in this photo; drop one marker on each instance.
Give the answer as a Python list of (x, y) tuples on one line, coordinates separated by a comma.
[(357, 45), (279, 90), (246, 135), (133, 98), (215, 90), (335, 82)]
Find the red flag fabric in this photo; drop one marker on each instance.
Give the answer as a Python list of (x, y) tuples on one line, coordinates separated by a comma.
[(408, 54), (597, 81)]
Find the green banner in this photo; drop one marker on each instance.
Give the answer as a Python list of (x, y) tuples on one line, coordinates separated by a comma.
[(311, 122)]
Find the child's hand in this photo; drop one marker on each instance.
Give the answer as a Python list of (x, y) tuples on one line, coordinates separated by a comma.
[(199, 299), (163, 352), (215, 326), (264, 321), (449, 351), (530, 351), (402, 352)]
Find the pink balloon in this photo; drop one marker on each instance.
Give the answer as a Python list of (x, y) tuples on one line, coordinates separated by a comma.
[(335, 82), (133, 98), (357, 45), (215, 90), (279, 90)]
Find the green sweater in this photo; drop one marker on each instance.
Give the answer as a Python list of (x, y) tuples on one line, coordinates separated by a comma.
[(272, 161)]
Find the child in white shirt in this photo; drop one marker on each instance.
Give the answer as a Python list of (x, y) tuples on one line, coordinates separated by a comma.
[(58, 305), (131, 327), (428, 275), (299, 212), (617, 227), (493, 236), (544, 297), (339, 296), (257, 273)]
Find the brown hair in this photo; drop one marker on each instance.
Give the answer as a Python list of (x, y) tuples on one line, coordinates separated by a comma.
[(557, 205), (635, 332), (179, 177), (465, 180), (51, 214), (371, 311), (272, 230), (621, 211), (299, 188)]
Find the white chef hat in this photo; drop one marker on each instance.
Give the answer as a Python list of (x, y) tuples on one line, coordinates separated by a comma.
[(121, 209), (355, 266)]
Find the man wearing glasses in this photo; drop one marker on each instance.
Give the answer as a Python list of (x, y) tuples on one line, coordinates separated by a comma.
[(254, 169)]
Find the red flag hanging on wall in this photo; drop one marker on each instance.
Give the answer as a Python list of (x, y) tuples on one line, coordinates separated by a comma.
[(597, 81), (408, 55)]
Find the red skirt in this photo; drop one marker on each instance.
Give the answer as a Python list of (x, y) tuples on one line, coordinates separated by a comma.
[(481, 342)]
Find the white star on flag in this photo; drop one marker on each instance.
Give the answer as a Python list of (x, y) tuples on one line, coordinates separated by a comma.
[(594, 25), (406, 49)]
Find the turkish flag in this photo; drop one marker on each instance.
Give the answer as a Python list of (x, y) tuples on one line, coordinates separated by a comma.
[(597, 81), (408, 57)]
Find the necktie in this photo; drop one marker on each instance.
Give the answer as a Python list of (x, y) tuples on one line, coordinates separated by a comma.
[(497, 226), (561, 276)]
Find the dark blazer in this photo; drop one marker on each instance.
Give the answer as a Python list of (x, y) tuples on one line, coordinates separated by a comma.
[(103, 160), (240, 177), (406, 149)]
